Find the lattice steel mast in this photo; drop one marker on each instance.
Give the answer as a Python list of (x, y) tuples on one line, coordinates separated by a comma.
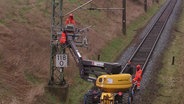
[(56, 73)]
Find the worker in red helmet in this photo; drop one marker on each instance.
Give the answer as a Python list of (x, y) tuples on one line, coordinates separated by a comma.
[(138, 76), (70, 20)]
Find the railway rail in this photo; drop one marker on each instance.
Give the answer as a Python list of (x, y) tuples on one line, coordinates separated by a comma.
[(145, 49)]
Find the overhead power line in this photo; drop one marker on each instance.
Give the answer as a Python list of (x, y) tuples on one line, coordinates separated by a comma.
[(78, 7), (102, 8)]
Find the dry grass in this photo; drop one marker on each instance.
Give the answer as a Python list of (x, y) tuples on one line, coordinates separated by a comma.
[(34, 93)]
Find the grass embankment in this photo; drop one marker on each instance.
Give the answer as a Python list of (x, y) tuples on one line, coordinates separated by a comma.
[(111, 51), (171, 77), (18, 13)]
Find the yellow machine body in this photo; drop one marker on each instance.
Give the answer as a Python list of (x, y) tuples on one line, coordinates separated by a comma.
[(114, 83)]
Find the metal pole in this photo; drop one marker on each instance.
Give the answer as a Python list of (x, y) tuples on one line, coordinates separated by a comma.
[(124, 17), (51, 45), (56, 74), (98, 57), (173, 60), (145, 5), (60, 14)]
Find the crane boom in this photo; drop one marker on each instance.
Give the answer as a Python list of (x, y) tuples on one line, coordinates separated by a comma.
[(90, 68)]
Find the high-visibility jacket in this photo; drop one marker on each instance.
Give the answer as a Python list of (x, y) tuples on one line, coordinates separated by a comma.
[(138, 75), (70, 21), (63, 38)]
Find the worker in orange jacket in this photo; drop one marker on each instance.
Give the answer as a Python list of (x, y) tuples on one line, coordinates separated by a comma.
[(138, 76), (70, 20), (62, 39)]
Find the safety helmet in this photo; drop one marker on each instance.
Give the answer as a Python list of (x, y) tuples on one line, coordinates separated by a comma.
[(138, 67), (71, 15)]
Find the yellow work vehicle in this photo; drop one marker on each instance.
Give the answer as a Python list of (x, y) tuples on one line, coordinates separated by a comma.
[(115, 88), (111, 89)]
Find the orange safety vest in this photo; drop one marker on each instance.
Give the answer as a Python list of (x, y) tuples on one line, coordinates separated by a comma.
[(138, 75), (63, 38), (70, 21)]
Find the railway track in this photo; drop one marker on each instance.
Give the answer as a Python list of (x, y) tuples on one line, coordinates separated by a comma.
[(145, 49)]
